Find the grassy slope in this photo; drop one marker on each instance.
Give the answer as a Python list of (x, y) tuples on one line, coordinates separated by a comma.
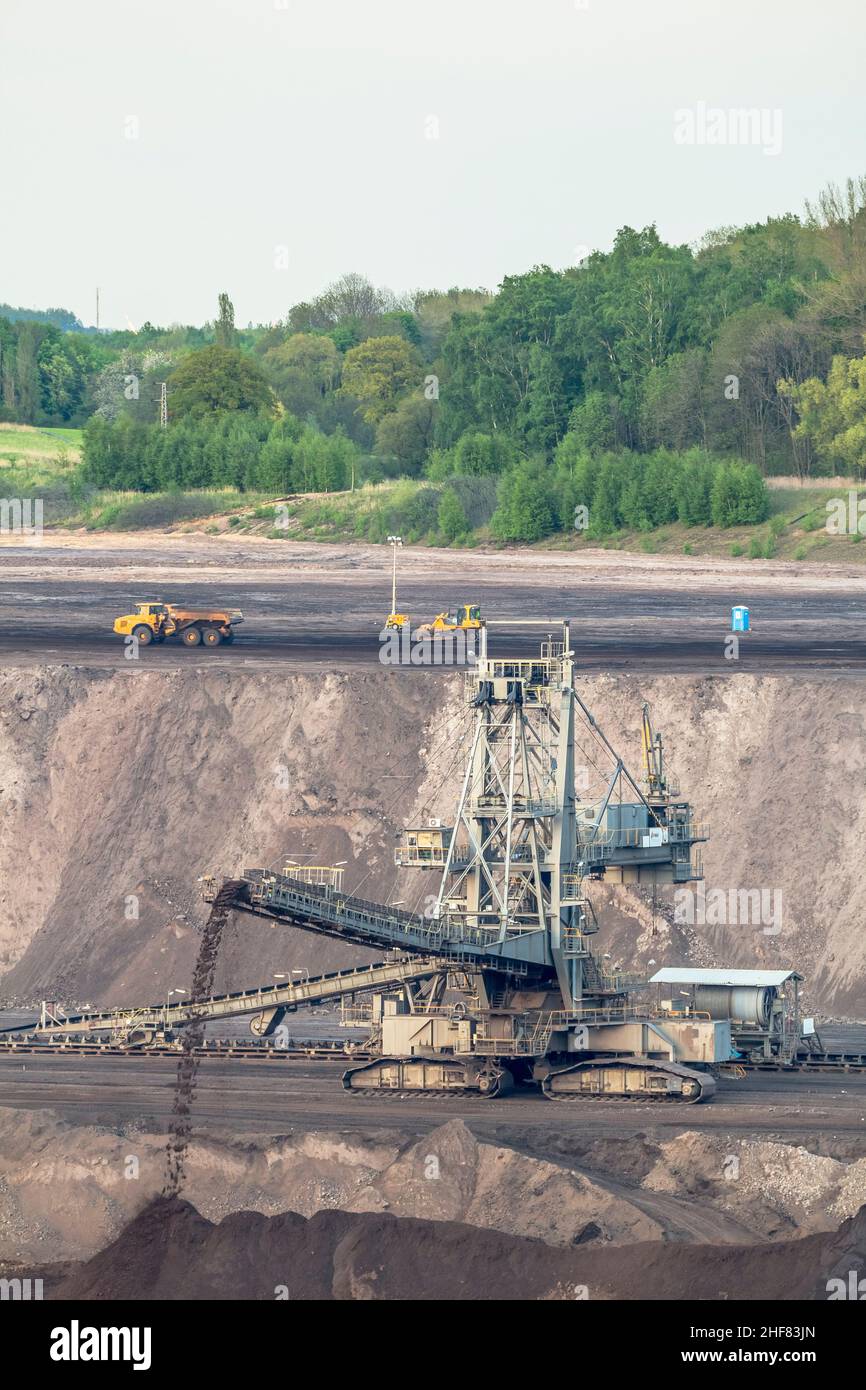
[(795, 529), (37, 462), (24, 444)]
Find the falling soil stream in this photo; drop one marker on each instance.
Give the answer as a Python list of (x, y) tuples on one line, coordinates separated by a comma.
[(187, 1068)]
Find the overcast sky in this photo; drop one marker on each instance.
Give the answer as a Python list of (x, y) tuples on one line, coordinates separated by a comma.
[(169, 149)]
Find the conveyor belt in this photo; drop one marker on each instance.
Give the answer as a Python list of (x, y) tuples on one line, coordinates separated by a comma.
[(264, 999), (332, 913)]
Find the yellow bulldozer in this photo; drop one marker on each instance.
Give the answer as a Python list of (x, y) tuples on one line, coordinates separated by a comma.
[(153, 622), (467, 616)]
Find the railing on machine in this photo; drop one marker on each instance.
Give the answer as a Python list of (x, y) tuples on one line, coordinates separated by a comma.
[(325, 908), (605, 842)]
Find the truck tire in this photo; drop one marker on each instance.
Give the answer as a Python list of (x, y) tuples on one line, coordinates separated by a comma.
[(191, 636), (211, 636), (143, 633)]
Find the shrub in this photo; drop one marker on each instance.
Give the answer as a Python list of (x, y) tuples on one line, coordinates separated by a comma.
[(453, 522), (739, 495), (477, 497), (526, 508)]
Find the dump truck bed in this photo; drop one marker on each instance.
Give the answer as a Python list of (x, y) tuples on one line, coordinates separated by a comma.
[(204, 615)]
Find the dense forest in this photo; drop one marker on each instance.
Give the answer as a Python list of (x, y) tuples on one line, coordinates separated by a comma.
[(649, 383)]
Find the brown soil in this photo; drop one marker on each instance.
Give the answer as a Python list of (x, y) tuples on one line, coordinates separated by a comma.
[(841, 567), (171, 1252), (71, 1189)]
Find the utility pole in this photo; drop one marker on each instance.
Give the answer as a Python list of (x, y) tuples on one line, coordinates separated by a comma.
[(97, 308), (394, 542), (163, 404)]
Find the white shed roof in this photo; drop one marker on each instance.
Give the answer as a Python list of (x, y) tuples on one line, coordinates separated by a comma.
[(682, 975)]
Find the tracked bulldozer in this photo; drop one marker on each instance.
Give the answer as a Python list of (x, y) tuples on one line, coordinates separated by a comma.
[(465, 618)]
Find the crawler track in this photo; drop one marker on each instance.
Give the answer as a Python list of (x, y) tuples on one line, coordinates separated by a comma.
[(633, 1078)]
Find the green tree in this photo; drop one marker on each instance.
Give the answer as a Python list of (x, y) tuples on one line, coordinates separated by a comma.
[(224, 328), (592, 424), (304, 371), (378, 372), (476, 454), (434, 311), (453, 522), (27, 385), (605, 513), (311, 356), (214, 379), (525, 510), (673, 409), (739, 495), (694, 489), (275, 468), (575, 474), (832, 413), (406, 434), (323, 463)]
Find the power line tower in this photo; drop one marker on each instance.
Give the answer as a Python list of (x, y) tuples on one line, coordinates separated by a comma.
[(163, 404)]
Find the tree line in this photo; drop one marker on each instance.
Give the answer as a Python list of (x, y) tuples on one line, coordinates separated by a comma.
[(242, 450), (643, 360)]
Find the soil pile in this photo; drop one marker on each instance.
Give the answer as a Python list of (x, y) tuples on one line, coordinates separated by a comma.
[(171, 1252), (775, 1189), (71, 1189)]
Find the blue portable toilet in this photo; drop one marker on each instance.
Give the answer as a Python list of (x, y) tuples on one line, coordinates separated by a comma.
[(739, 619)]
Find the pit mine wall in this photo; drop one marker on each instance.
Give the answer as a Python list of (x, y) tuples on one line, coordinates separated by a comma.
[(117, 791)]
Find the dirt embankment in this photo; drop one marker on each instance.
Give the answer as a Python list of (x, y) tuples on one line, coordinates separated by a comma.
[(70, 1190), (170, 1252), (117, 792)]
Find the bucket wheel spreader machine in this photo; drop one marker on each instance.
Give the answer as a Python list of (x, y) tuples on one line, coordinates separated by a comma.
[(495, 984)]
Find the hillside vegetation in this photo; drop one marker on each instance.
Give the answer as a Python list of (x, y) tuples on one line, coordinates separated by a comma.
[(643, 397)]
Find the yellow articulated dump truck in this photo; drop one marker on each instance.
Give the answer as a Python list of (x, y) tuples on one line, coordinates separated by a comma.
[(153, 622)]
